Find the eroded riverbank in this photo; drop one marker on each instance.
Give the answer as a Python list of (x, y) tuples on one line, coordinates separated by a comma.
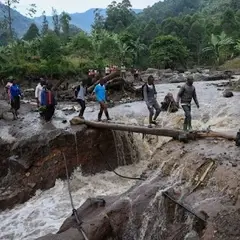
[(219, 112)]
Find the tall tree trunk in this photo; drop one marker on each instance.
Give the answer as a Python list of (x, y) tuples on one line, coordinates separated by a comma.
[(9, 20)]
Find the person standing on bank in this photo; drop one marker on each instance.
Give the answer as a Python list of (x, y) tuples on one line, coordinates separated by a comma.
[(48, 102), (107, 70), (101, 96), (38, 91), (150, 97), (7, 89), (15, 94), (186, 94), (123, 71), (80, 94)]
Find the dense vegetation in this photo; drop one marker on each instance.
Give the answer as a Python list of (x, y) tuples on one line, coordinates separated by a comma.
[(170, 34)]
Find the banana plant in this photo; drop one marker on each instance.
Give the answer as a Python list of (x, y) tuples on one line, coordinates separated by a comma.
[(137, 48), (237, 47), (218, 43), (122, 48)]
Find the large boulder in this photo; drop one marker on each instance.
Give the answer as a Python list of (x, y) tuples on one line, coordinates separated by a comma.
[(177, 78), (219, 76), (228, 94), (156, 73), (198, 77), (5, 112)]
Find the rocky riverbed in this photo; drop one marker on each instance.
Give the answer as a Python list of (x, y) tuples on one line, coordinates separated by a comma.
[(134, 209)]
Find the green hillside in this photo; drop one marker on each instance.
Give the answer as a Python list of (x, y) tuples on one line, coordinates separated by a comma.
[(175, 34)]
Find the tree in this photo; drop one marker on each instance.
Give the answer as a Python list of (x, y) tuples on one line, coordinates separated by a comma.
[(137, 49), (51, 53), (64, 21), (51, 47), (8, 15), (56, 22), (31, 10), (235, 5), (122, 50), (99, 21), (44, 25), (74, 30), (81, 44), (150, 32), (196, 38), (237, 47), (229, 23), (218, 46), (4, 39), (119, 14), (172, 26), (168, 51), (109, 43), (31, 33)]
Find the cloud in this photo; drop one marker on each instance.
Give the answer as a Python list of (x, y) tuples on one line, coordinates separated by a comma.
[(72, 6)]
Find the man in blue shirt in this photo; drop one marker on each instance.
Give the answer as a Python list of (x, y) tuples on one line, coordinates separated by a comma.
[(100, 92), (15, 94)]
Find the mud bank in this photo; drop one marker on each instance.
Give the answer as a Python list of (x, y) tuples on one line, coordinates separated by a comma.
[(33, 163), (203, 175)]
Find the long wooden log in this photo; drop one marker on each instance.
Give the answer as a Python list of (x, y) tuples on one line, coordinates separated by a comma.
[(173, 133), (58, 84), (213, 134), (128, 128), (106, 79)]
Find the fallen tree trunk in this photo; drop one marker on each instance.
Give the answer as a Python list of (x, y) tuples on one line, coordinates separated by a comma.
[(128, 128), (58, 84), (115, 84), (173, 133), (106, 79), (213, 134), (120, 84)]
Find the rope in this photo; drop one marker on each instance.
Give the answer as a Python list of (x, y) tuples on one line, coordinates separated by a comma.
[(131, 178), (75, 214)]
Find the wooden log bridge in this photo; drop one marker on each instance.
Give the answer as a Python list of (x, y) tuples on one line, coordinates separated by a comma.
[(176, 134)]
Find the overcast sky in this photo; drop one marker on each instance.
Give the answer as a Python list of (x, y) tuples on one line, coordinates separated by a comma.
[(72, 6)]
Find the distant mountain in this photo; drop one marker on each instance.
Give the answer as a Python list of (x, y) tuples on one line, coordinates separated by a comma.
[(82, 20)]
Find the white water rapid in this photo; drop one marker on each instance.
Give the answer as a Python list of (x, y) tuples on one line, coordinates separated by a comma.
[(46, 211)]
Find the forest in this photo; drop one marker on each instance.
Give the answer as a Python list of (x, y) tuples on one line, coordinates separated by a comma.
[(170, 34)]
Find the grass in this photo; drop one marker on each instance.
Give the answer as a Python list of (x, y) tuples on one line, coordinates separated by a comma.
[(233, 64)]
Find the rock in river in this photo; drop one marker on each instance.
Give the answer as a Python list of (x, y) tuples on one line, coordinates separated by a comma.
[(227, 94)]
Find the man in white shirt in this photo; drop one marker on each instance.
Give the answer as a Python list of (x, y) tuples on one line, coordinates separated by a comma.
[(7, 87), (107, 70), (123, 71), (38, 91), (80, 93)]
